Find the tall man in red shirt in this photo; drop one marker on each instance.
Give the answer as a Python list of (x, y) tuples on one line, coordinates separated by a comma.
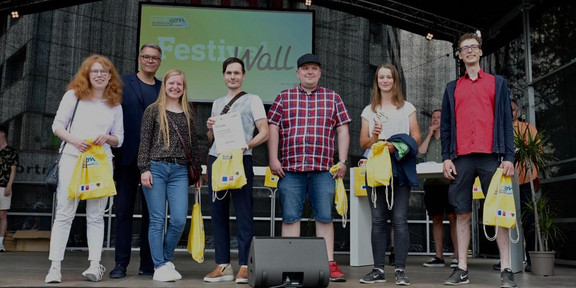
[(477, 138), (302, 123)]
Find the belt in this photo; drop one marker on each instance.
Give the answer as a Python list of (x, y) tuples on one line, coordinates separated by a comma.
[(174, 160)]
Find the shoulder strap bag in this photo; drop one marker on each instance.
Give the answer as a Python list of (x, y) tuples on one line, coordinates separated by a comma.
[(51, 177), (229, 105), (193, 171)]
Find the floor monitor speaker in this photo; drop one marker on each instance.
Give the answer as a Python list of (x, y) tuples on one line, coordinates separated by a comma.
[(288, 262)]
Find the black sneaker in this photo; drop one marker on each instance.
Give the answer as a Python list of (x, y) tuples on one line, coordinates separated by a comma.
[(401, 278), (458, 277), (507, 278), (454, 263), (496, 266), (376, 276), (434, 262), (145, 272), (118, 272)]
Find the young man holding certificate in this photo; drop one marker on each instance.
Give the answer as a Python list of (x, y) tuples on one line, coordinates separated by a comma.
[(251, 111)]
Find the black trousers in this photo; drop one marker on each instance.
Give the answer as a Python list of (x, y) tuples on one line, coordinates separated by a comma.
[(128, 189)]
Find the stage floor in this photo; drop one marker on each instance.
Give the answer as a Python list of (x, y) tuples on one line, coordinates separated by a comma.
[(28, 269)]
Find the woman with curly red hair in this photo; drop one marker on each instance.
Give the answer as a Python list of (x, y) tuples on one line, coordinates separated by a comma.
[(90, 109)]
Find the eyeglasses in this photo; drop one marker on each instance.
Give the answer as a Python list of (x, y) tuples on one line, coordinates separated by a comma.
[(96, 72), (147, 58), (474, 48)]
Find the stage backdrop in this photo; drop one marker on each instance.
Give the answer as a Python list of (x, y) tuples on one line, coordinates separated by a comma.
[(198, 39)]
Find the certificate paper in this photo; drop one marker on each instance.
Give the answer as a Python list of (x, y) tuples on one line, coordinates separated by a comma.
[(228, 132)]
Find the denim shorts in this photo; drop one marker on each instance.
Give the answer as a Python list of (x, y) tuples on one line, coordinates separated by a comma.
[(293, 189)]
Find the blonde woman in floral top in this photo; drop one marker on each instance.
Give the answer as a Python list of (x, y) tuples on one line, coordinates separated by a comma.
[(162, 163)]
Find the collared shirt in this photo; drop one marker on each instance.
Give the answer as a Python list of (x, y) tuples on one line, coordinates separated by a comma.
[(474, 111), (307, 126)]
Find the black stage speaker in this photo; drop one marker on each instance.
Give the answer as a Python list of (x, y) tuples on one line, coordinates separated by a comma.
[(288, 261)]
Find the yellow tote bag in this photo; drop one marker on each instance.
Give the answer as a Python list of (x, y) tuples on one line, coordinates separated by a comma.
[(196, 237), (228, 171), (270, 179), (360, 182), (477, 192), (340, 196), (499, 206), (379, 165), (92, 177)]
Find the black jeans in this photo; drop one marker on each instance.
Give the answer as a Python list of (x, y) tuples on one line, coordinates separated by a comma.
[(380, 229)]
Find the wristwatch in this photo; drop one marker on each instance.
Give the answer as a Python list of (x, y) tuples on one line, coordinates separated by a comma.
[(345, 162)]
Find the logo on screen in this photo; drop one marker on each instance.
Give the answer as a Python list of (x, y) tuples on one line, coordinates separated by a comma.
[(168, 21)]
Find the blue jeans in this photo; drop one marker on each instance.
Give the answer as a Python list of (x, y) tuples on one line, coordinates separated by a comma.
[(380, 229), (170, 182), (220, 209), (319, 185)]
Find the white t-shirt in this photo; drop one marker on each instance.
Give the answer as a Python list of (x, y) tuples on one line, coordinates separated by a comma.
[(394, 121)]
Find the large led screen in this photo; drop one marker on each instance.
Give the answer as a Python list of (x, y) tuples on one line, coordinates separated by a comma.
[(198, 39)]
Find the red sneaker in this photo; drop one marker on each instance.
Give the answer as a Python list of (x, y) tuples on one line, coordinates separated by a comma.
[(336, 274)]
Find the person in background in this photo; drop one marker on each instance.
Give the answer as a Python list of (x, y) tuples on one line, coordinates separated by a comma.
[(477, 138), (436, 196), (140, 90), (392, 118), (303, 122), (37, 222), (97, 89), (8, 164), (253, 116), (526, 130), (163, 163)]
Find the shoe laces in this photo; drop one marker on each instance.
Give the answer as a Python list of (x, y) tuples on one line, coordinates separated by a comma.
[(507, 273), (100, 270), (376, 272)]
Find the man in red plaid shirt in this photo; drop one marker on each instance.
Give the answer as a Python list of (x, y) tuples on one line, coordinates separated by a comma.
[(303, 122)]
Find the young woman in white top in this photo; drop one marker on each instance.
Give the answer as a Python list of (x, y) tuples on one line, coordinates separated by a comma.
[(98, 90), (388, 114)]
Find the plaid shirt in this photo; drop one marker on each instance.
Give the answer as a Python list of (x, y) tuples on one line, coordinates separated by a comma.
[(307, 126)]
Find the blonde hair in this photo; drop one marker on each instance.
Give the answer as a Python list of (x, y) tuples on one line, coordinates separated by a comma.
[(397, 95), (161, 105), (83, 88)]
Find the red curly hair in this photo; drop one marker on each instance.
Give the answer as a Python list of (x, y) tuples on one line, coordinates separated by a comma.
[(83, 88)]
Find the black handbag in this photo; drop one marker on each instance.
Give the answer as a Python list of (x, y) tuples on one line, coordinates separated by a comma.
[(51, 177)]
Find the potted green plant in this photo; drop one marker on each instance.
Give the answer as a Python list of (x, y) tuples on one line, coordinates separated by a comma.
[(534, 150)]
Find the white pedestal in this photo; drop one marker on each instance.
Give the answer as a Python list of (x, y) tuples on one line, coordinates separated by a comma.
[(360, 227)]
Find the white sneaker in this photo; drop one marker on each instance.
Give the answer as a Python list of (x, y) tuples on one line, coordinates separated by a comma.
[(166, 273), (53, 276), (171, 265), (94, 273)]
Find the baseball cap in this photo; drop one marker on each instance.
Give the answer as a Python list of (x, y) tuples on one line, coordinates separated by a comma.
[(308, 58)]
